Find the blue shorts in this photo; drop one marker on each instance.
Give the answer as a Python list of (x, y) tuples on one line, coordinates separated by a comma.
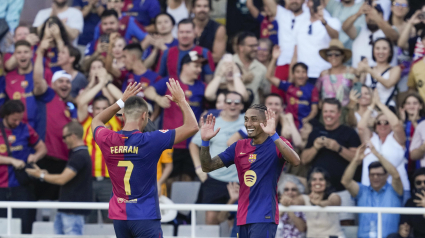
[(257, 230), (138, 228)]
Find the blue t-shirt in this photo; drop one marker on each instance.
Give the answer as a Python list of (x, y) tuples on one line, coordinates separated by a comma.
[(90, 22), (130, 26), (145, 11)]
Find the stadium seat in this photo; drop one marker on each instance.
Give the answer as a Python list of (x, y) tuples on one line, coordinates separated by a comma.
[(200, 230), (98, 229), (167, 230), (185, 192), (350, 231), (42, 228), (16, 226)]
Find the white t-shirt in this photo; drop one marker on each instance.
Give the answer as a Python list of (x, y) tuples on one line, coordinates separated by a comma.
[(287, 23), (392, 151), (72, 17), (178, 14), (386, 7), (385, 94), (308, 45), (361, 47)]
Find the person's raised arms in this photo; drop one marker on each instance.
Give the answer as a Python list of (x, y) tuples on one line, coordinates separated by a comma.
[(207, 132)]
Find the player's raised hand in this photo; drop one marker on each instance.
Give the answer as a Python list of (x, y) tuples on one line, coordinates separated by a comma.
[(131, 90), (207, 128), (270, 128), (177, 94)]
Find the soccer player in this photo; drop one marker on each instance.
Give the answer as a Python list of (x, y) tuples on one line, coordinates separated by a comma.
[(259, 161), (132, 157)]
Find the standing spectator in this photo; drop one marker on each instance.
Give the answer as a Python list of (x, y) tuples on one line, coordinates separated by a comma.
[(264, 52), (383, 76), (411, 113), (389, 139), (144, 12), (288, 20), (179, 10), (74, 181), (416, 79), (358, 105), (337, 81), (267, 21), (22, 32), (376, 27), (3, 96), (91, 11), (16, 151), (68, 59), (312, 36), (163, 40), (332, 148), (417, 145), (114, 62), (10, 10), (214, 184), (418, 200), (379, 193), (98, 71), (191, 68), (209, 34), (413, 41), (72, 18), (170, 64)]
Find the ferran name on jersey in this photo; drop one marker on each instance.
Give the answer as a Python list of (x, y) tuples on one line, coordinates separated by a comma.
[(123, 149)]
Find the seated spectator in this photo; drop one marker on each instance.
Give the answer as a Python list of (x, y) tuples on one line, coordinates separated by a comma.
[(267, 21), (91, 10), (379, 193), (233, 189), (191, 68), (388, 138), (214, 184), (376, 27), (337, 81), (170, 63), (97, 71), (359, 104), (74, 181), (417, 200), (312, 36), (71, 17), (411, 113), (321, 224), (417, 145), (144, 12), (208, 33), (179, 10), (404, 231), (163, 172), (301, 97), (163, 40), (3, 96), (68, 59), (26, 148), (383, 76), (22, 32), (294, 223), (332, 147), (264, 52), (416, 76), (114, 62)]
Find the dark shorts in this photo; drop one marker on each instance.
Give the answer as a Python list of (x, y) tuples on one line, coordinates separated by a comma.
[(258, 230), (138, 229), (182, 163), (214, 192)]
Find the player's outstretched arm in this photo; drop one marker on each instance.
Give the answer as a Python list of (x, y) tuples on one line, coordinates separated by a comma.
[(287, 152), (207, 132), (106, 115), (190, 125)]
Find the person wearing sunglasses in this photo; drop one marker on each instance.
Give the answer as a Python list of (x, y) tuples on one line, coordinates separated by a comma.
[(388, 137)]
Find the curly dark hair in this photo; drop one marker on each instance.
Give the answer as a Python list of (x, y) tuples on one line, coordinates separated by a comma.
[(329, 189), (57, 21)]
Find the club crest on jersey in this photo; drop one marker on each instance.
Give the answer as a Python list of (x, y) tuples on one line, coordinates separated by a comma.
[(145, 85), (51, 54), (252, 158), (299, 93), (67, 113), (163, 131), (130, 6), (122, 27), (24, 84), (250, 177), (11, 139), (188, 93)]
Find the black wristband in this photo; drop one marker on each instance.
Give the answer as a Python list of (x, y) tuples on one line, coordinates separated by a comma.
[(109, 82), (340, 149)]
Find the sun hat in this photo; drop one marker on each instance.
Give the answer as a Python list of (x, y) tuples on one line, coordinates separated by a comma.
[(335, 44)]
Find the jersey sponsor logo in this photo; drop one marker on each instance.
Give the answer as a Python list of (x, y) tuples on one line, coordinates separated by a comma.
[(17, 96), (163, 131), (123, 149), (24, 84), (11, 139), (293, 101), (3, 148), (122, 200), (250, 177), (252, 158)]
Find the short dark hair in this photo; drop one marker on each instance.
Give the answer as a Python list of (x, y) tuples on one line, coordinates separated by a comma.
[(75, 128), (19, 26), (299, 64), (209, 4), (186, 21), (12, 107), (22, 43), (243, 35), (100, 98), (418, 172), (74, 52), (135, 47), (333, 101), (108, 13), (166, 14), (259, 107), (135, 102), (390, 57), (376, 164), (423, 33), (273, 95), (233, 92)]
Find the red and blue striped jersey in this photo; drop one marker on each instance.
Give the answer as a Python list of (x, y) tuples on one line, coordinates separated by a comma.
[(3, 95), (146, 79), (259, 168), (20, 140), (128, 28), (132, 158)]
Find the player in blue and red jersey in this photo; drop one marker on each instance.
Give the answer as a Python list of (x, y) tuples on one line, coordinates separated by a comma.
[(259, 161), (170, 62), (3, 96), (132, 156), (21, 139)]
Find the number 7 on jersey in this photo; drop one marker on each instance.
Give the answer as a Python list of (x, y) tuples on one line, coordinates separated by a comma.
[(127, 175)]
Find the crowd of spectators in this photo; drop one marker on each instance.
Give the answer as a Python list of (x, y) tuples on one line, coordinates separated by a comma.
[(345, 79)]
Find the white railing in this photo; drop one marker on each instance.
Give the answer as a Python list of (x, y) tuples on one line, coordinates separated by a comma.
[(211, 207)]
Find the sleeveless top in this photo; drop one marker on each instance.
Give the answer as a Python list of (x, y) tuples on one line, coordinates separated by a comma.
[(178, 14), (336, 86), (207, 37), (385, 94), (322, 224)]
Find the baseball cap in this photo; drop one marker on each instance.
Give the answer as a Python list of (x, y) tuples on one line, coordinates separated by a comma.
[(61, 74), (192, 56)]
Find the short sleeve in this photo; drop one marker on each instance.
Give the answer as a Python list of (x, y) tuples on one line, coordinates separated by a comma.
[(47, 96), (166, 156), (354, 139), (260, 18), (208, 68), (411, 83), (134, 30), (40, 18), (76, 163), (101, 134), (161, 86), (162, 139), (362, 189), (228, 156), (311, 138), (76, 20), (196, 139), (315, 96), (33, 136), (334, 23), (284, 85), (417, 137)]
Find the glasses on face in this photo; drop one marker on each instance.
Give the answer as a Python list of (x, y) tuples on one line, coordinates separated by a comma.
[(65, 136), (382, 123), (230, 101), (333, 54), (419, 182), (376, 175), (403, 5), (290, 189)]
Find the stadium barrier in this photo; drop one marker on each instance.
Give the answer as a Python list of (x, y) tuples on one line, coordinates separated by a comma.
[(212, 207)]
